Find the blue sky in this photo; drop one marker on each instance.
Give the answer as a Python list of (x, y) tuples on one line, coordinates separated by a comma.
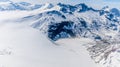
[(93, 3)]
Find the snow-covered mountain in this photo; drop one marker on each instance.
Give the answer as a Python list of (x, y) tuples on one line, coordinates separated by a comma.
[(80, 19), (76, 21), (9, 5), (61, 21)]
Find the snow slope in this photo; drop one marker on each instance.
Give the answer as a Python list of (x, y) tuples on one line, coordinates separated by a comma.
[(60, 35), (24, 46), (77, 46)]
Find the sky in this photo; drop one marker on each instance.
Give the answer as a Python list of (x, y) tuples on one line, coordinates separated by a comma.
[(93, 3)]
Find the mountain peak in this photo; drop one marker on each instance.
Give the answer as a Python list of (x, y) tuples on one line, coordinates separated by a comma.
[(115, 11), (49, 5), (81, 4), (62, 4)]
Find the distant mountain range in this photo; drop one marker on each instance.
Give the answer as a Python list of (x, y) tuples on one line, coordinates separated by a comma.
[(74, 21), (9, 5)]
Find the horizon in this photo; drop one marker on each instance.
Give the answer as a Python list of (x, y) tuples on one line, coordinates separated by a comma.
[(95, 4)]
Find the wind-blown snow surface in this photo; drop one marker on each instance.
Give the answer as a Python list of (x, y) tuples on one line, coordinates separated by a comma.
[(24, 46)]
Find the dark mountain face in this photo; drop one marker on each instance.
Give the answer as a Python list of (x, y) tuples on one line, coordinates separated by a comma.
[(61, 30), (67, 8)]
